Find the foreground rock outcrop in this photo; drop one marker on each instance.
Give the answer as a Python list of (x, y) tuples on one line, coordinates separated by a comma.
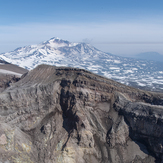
[(70, 115)]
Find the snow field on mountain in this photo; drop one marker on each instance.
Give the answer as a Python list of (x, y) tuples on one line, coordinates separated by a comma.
[(134, 72)]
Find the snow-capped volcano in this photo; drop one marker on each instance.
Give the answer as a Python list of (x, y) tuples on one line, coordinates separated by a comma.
[(54, 51), (58, 52), (57, 42)]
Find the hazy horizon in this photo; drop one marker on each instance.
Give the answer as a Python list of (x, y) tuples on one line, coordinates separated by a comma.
[(119, 27)]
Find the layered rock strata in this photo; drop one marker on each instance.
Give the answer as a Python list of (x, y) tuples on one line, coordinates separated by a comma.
[(68, 115)]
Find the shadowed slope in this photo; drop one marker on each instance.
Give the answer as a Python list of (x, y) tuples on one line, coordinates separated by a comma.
[(72, 115)]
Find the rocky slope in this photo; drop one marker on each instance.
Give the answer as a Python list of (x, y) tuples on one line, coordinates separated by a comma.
[(69, 115)]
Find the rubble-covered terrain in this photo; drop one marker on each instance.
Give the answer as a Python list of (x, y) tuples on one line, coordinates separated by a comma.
[(69, 115)]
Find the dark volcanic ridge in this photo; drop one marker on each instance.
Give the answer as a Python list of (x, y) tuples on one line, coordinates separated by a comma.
[(59, 114), (9, 74), (8, 68)]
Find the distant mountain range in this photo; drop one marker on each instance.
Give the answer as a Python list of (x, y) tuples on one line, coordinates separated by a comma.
[(133, 72), (152, 56)]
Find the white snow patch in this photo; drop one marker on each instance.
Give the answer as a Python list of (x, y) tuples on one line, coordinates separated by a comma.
[(10, 72), (134, 69), (141, 84), (114, 68), (117, 61), (128, 71), (109, 60), (62, 65), (73, 44)]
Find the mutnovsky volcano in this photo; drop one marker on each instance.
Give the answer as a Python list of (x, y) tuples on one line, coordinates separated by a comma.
[(133, 72)]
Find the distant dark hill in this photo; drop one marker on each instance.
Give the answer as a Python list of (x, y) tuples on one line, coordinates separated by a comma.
[(11, 69), (153, 56), (9, 74)]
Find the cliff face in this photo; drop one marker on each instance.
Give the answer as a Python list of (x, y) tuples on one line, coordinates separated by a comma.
[(69, 115)]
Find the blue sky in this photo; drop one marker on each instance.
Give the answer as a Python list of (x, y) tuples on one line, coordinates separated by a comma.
[(122, 27)]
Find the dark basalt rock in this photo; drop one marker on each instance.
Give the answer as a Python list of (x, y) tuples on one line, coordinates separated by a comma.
[(58, 114)]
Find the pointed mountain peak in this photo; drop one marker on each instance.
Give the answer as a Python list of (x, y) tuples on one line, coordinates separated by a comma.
[(55, 39), (56, 42)]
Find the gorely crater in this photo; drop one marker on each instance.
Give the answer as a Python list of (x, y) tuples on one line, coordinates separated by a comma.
[(68, 115)]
